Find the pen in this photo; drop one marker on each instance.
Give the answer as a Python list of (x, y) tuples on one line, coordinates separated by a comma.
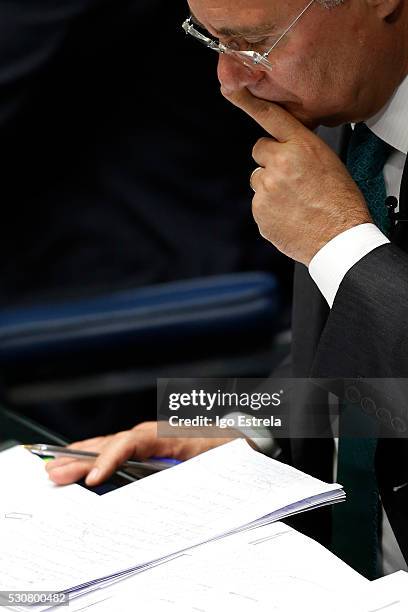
[(46, 450)]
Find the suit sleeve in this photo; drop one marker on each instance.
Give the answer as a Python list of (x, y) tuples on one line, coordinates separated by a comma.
[(366, 334), (365, 340)]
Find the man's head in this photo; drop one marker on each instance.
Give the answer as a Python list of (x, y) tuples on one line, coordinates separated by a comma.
[(340, 62)]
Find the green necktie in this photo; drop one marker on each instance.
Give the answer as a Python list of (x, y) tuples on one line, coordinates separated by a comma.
[(356, 522), (366, 157)]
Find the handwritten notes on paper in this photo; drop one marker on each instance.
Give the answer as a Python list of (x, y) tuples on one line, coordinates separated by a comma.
[(81, 538)]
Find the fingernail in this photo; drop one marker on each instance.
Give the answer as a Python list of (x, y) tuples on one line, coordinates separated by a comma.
[(54, 468), (92, 476), (53, 472)]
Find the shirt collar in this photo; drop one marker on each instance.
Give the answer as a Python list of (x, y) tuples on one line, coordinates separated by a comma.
[(391, 122)]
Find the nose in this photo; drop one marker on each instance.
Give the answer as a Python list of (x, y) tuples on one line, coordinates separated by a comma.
[(234, 76)]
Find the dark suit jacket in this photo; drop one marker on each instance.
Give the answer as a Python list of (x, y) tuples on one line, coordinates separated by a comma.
[(363, 336)]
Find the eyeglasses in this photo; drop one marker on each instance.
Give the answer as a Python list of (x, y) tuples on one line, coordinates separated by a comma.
[(250, 59)]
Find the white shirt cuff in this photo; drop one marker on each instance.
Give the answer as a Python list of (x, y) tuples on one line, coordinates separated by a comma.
[(261, 435), (330, 265)]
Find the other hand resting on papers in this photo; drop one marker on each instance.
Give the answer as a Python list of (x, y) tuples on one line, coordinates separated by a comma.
[(140, 442)]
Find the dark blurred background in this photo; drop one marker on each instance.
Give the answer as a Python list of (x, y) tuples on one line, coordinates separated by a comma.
[(122, 167)]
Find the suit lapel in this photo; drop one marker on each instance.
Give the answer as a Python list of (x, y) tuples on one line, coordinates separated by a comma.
[(400, 237), (404, 190)]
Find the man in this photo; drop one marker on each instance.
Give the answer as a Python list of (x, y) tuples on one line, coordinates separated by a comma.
[(294, 67)]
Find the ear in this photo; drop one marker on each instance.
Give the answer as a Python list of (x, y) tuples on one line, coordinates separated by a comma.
[(387, 10)]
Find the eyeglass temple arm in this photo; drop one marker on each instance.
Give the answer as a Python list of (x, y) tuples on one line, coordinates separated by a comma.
[(288, 28)]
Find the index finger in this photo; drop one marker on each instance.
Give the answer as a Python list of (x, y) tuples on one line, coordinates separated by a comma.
[(275, 120), (121, 447), (64, 470)]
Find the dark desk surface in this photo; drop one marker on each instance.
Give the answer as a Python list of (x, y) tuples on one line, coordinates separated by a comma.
[(18, 429), (14, 426)]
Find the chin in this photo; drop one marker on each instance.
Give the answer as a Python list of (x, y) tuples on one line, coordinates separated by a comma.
[(314, 122), (309, 122)]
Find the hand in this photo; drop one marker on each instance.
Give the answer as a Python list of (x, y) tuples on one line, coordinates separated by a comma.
[(141, 442), (304, 195)]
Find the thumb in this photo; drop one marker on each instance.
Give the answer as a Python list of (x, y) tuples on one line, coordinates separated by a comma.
[(275, 120)]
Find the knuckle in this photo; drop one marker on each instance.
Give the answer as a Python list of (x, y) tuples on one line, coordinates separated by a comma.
[(260, 145), (268, 182), (123, 436), (255, 150), (284, 162), (145, 426), (266, 145)]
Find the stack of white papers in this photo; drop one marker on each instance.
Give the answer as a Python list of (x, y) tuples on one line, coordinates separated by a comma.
[(24, 484), (270, 569), (387, 594), (74, 543)]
